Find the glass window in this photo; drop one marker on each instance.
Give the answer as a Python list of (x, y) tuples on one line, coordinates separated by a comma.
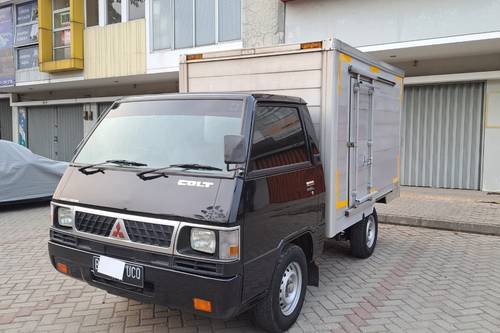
[(194, 22), (92, 12), (161, 133), (61, 29), (278, 138), (27, 57), (26, 23), (114, 8), (60, 4), (162, 24), (136, 9), (229, 20), (205, 22), (183, 24)]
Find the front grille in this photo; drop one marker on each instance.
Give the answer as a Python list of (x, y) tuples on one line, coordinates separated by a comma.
[(94, 224), (63, 238), (149, 233), (195, 265)]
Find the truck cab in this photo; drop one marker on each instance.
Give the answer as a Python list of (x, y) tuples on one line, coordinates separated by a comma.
[(209, 203)]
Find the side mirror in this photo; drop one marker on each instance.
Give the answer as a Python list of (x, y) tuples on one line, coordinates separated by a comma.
[(234, 149)]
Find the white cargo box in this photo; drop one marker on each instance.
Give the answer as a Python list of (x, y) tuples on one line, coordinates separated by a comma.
[(354, 101)]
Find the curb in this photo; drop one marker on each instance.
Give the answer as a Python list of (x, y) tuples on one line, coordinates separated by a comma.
[(475, 228)]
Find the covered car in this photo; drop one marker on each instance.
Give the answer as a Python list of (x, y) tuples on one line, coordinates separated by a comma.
[(25, 176)]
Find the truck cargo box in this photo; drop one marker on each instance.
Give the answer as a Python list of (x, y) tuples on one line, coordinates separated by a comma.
[(354, 100)]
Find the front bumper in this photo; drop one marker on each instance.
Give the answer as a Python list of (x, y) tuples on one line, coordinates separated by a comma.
[(161, 285)]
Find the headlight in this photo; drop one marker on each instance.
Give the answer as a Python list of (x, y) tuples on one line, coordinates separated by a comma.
[(203, 240), (229, 244), (64, 217)]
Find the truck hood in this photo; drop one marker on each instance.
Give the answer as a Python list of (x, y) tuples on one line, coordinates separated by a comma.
[(181, 197)]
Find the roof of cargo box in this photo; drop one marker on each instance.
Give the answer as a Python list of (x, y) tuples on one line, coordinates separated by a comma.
[(325, 45), (218, 95)]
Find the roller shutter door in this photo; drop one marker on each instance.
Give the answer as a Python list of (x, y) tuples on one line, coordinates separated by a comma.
[(5, 120), (41, 130), (442, 135), (102, 107), (55, 131)]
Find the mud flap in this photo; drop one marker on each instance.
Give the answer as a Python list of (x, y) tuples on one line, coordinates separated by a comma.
[(312, 274)]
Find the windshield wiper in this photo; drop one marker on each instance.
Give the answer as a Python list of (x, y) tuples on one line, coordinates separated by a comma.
[(195, 166), (158, 171), (97, 168)]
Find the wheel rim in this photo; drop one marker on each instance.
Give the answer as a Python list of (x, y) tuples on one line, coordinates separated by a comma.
[(370, 231), (290, 288)]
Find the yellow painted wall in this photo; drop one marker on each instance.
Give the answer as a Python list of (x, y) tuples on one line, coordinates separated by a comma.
[(115, 50)]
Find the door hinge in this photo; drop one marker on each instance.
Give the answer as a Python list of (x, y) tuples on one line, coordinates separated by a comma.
[(350, 144)]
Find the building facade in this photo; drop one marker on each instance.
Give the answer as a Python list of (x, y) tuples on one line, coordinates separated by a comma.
[(65, 61), (450, 51)]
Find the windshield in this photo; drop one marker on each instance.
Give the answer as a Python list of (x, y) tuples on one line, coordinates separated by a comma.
[(166, 132)]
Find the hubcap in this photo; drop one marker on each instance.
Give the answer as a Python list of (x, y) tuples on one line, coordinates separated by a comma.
[(370, 231), (290, 288)]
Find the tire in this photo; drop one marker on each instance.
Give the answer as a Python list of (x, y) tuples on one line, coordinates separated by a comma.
[(363, 236), (269, 314)]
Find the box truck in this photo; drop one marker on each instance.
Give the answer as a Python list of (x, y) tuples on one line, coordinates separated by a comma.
[(218, 200)]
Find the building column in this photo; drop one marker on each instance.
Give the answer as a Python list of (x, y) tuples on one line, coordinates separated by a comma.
[(15, 124), (491, 154)]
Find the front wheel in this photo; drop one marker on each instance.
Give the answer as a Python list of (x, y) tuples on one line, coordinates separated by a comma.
[(281, 307), (363, 236)]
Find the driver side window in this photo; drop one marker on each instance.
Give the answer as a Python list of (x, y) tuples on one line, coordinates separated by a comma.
[(278, 138)]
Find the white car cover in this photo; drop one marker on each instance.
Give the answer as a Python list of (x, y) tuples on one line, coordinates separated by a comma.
[(26, 176)]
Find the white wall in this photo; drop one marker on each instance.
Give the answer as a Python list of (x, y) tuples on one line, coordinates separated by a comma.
[(491, 167), (372, 22)]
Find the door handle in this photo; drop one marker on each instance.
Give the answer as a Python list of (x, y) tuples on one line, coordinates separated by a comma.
[(310, 186)]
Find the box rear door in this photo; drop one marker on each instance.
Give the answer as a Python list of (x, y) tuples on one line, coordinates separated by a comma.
[(360, 141)]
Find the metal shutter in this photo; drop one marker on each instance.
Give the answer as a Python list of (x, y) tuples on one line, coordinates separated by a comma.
[(41, 130), (5, 120), (442, 135), (55, 131), (69, 130), (102, 107)]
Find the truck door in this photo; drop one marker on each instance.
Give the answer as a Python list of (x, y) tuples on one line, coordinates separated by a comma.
[(280, 191), (360, 142)]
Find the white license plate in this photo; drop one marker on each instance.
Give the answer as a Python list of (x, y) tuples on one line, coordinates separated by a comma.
[(119, 270)]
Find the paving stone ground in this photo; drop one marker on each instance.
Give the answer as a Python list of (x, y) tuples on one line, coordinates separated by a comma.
[(457, 210), (418, 280)]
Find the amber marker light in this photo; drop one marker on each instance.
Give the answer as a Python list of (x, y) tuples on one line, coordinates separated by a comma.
[(202, 305), (63, 268), (312, 45), (197, 56)]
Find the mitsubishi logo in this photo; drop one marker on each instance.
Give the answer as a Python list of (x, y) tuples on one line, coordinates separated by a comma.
[(119, 231)]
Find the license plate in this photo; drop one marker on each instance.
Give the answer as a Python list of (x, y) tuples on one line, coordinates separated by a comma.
[(118, 270)]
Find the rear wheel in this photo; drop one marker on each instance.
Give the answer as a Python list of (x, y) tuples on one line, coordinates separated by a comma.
[(363, 236), (281, 307)]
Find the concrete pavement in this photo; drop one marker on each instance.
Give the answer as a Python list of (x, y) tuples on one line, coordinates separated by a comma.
[(456, 210), (418, 280)]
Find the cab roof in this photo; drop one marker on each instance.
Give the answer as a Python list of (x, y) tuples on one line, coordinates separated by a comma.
[(260, 97)]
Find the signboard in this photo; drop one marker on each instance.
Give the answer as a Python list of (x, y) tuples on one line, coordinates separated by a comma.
[(23, 127), (27, 57), (26, 13), (26, 23), (7, 70), (26, 34)]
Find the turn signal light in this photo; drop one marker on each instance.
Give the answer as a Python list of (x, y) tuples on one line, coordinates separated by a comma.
[(63, 268), (202, 305), (234, 251)]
